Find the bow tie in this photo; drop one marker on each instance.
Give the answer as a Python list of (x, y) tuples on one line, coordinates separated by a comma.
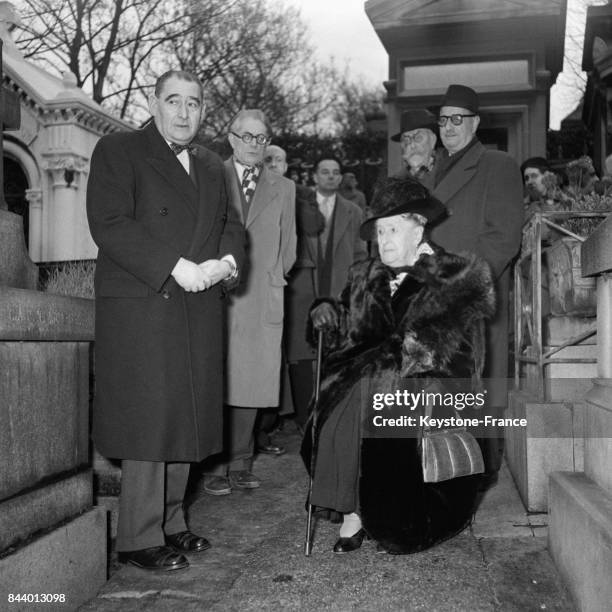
[(178, 148)]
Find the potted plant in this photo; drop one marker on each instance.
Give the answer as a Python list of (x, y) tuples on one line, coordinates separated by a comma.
[(582, 205)]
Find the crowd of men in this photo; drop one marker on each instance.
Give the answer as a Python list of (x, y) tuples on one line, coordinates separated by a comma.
[(205, 277)]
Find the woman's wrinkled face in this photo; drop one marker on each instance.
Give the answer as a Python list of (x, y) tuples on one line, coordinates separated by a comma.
[(398, 238)]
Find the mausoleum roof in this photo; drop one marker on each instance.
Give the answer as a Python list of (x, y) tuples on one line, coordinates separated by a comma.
[(51, 95)]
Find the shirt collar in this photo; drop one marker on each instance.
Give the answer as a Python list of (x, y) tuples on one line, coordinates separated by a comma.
[(321, 198), (240, 167)]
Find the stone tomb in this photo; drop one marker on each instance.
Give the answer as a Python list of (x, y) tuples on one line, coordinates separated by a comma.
[(52, 539)]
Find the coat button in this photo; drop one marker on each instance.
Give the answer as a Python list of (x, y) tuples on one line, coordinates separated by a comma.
[(163, 211), (166, 295)]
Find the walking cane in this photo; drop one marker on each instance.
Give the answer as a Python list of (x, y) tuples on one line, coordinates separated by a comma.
[(315, 414)]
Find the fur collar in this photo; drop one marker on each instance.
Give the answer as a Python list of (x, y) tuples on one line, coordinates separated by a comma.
[(433, 325)]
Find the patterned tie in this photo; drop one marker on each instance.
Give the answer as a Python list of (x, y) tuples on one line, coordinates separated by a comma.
[(249, 182), (178, 148)]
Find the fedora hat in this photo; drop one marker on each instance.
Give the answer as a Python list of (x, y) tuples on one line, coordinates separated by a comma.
[(418, 118), (402, 195), (461, 96)]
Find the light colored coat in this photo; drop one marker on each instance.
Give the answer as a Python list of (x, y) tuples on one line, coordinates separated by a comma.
[(256, 310)]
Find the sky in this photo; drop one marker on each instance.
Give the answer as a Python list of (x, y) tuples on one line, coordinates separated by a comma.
[(341, 29)]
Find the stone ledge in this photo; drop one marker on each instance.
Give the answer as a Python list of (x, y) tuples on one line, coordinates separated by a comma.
[(42, 508), (69, 560), (553, 440), (580, 538), (36, 316)]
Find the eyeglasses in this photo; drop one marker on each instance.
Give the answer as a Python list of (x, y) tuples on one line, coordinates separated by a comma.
[(248, 138), (455, 119), (418, 138)]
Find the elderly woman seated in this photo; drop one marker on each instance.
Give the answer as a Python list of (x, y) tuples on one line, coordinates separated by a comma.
[(413, 314)]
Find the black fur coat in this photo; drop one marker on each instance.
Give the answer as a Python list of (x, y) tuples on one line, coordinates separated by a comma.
[(432, 327)]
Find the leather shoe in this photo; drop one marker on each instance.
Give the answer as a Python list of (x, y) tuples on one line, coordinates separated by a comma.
[(344, 545), (243, 479), (217, 485), (271, 449), (160, 558), (185, 541)]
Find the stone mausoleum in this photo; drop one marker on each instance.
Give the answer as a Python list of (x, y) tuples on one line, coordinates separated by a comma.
[(46, 161), (509, 51)]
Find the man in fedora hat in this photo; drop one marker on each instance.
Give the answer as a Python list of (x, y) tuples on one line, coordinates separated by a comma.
[(483, 191), (417, 138)]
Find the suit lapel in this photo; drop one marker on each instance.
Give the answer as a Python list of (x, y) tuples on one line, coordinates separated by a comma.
[(235, 189), (341, 221), (170, 168), (265, 193), (459, 174)]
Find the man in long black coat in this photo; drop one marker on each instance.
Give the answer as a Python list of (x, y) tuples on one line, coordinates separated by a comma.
[(483, 192), (158, 211)]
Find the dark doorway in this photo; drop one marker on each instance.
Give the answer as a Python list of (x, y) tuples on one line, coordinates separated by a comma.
[(15, 185), (494, 138)]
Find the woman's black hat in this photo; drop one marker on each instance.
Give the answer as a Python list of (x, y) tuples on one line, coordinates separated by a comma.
[(398, 196)]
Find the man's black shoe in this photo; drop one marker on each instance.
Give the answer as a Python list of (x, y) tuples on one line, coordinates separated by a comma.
[(271, 449), (156, 558), (185, 541)]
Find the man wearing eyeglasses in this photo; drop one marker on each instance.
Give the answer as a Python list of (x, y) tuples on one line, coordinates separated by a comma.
[(482, 189), (417, 138), (265, 202)]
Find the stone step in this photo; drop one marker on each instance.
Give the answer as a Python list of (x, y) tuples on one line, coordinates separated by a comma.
[(580, 538)]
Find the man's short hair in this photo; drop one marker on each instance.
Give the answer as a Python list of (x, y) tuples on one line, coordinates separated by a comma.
[(183, 75), (539, 163), (249, 113), (327, 157)]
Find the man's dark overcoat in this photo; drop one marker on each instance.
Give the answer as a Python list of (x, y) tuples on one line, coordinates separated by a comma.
[(483, 193), (303, 282), (158, 349)]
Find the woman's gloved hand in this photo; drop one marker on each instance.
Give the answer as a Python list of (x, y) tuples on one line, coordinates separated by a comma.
[(324, 317)]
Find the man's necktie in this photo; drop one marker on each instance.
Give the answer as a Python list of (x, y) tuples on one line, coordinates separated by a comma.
[(179, 148), (249, 182), (325, 206)]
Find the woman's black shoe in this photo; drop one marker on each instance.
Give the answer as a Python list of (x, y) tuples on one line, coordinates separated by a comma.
[(344, 545)]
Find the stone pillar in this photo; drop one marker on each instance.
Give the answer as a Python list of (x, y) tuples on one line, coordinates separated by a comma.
[(604, 325), (580, 504), (67, 219), (34, 198)]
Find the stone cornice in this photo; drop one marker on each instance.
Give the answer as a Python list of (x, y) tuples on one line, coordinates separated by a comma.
[(68, 111), (64, 162)]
